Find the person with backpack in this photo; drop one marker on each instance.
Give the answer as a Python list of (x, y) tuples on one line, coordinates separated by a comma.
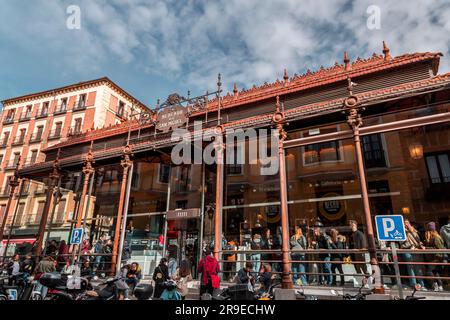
[(209, 268)]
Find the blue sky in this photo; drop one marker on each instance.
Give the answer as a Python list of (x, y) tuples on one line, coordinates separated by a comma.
[(154, 48)]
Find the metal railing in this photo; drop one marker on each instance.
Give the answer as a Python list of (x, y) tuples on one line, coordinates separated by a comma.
[(55, 134), (74, 131), (18, 140), (25, 116), (11, 164), (62, 108), (8, 120), (42, 113), (36, 137)]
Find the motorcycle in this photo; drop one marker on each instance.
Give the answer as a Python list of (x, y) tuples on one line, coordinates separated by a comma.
[(21, 290), (106, 290), (64, 287), (360, 295)]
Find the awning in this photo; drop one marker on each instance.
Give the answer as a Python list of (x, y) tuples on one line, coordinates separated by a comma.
[(19, 241)]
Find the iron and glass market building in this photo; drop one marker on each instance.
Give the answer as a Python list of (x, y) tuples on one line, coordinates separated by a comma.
[(355, 140)]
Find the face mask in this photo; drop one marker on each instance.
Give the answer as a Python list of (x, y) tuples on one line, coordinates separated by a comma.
[(257, 240)]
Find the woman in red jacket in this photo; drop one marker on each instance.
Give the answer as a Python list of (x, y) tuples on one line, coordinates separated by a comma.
[(209, 268)]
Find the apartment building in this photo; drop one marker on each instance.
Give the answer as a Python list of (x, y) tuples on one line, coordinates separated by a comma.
[(33, 122)]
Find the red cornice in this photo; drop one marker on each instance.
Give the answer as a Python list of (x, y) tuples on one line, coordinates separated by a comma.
[(74, 87), (324, 76)]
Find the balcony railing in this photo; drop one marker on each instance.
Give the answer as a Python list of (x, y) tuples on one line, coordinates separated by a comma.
[(5, 193), (11, 165), (436, 189), (79, 106), (74, 131), (25, 116), (36, 137), (8, 120), (62, 108), (42, 113), (4, 143), (54, 134), (374, 159), (18, 141), (29, 161)]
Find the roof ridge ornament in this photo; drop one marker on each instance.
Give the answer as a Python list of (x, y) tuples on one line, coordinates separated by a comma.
[(386, 52), (346, 61), (285, 77)]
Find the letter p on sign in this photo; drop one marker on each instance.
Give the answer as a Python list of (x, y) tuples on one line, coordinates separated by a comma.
[(390, 228)]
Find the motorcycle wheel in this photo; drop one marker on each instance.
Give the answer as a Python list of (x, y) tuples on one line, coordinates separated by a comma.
[(3, 297)]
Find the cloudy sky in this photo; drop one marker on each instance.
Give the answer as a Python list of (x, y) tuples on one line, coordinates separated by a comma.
[(153, 48)]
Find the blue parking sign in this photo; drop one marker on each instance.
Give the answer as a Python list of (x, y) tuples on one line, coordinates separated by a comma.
[(390, 228), (77, 236)]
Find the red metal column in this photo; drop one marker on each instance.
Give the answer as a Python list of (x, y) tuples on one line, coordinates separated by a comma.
[(126, 164), (13, 183), (54, 176), (354, 120), (87, 171), (278, 119), (219, 145)]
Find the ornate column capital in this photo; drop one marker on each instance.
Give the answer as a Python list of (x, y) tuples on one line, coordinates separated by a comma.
[(126, 161), (88, 161)]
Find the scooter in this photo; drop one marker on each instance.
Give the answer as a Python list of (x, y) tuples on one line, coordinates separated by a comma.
[(360, 295), (64, 287), (170, 292), (106, 290)]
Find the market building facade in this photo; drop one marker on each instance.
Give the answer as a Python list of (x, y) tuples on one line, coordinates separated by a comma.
[(352, 141)]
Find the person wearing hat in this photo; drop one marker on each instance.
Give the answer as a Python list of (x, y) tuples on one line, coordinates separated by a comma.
[(434, 241)]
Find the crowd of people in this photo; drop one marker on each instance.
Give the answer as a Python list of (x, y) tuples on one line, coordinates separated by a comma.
[(417, 265), (327, 268)]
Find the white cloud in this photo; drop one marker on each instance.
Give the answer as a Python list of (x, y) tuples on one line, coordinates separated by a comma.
[(247, 41)]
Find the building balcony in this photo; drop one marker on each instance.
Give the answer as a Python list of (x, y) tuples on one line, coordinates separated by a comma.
[(29, 161), (61, 109), (43, 113), (5, 193), (25, 117), (374, 159), (54, 134), (74, 131), (79, 107), (36, 137), (11, 165), (9, 120), (436, 189), (18, 141), (4, 144)]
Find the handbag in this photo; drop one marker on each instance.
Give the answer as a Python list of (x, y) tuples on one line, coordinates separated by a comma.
[(215, 281)]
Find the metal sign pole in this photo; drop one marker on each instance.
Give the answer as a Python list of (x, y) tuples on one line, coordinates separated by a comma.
[(397, 270), (165, 215)]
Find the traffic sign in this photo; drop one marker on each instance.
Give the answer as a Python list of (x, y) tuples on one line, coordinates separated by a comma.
[(390, 228), (76, 236)]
